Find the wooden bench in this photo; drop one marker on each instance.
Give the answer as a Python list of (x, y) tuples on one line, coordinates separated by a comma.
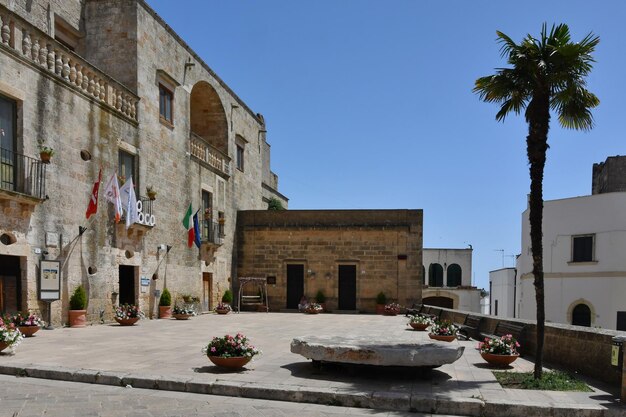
[(470, 327), (414, 310), (504, 328)]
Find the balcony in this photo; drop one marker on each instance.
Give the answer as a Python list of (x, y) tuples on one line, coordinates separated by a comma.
[(22, 178), (211, 233), (209, 156)]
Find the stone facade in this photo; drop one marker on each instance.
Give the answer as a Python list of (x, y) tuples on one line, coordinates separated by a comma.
[(102, 98), (382, 248), (609, 176)]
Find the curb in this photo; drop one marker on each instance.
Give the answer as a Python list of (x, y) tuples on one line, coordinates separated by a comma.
[(394, 401)]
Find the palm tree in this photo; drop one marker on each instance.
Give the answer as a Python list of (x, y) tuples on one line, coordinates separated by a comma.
[(546, 74)]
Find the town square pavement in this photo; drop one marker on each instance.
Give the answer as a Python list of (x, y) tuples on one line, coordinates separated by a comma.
[(166, 355)]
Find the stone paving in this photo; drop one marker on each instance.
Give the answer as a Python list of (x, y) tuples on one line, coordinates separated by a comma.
[(165, 354)]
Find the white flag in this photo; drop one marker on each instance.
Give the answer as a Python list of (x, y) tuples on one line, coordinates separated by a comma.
[(112, 195), (129, 200)]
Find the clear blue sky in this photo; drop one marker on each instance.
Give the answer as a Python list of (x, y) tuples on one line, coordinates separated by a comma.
[(369, 105)]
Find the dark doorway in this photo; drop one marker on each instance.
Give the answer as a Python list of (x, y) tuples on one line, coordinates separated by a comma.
[(581, 316), (454, 275), (127, 284), (435, 275), (444, 302), (621, 320), (10, 284), (207, 284), (295, 285), (347, 287)]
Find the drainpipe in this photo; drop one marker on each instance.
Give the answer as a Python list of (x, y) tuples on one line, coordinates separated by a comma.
[(514, 291)]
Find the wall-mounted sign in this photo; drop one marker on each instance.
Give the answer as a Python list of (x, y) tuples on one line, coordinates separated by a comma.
[(145, 281), (49, 280)]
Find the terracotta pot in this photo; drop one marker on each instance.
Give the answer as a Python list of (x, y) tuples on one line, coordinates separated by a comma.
[(380, 308), (78, 318), (165, 312), (419, 326), (127, 322), (3, 346), (28, 331), (45, 157), (235, 362), (222, 311), (182, 316), (499, 360), (312, 311), (441, 338), (390, 313)]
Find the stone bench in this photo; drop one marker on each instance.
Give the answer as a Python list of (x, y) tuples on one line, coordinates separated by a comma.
[(364, 351)]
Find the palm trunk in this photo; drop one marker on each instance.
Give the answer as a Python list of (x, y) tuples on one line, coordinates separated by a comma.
[(538, 118)]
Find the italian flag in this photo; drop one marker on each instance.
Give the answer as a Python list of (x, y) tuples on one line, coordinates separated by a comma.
[(188, 223)]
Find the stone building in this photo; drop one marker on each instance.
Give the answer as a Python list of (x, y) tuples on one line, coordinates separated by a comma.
[(448, 279), (609, 176), (107, 83), (350, 255)]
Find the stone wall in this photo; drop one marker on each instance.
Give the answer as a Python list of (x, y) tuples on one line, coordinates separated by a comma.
[(385, 246), (609, 176), (577, 349)]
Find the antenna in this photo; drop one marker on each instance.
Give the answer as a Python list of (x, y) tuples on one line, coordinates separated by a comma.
[(502, 252)]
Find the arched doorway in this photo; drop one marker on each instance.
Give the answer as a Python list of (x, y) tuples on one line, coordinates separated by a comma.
[(454, 275), (435, 275), (581, 315), (444, 302), (207, 116)]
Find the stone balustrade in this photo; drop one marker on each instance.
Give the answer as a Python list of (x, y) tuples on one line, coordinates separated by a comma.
[(202, 150), (52, 57)]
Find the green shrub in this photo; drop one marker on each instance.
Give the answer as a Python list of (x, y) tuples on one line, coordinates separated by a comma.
[(166, 298), (227, 297), (381, 298), (320, 297), (275, 204), (78, 301)]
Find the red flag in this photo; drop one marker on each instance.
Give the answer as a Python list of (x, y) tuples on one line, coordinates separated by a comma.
[(93, 202)]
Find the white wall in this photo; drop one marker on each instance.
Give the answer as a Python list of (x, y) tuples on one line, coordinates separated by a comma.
[(502, 290), (600, 284), (447, 257)]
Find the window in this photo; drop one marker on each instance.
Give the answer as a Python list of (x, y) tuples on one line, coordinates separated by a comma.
[(435, 275), (582, 248), (8, 115), (207, 210), (221, 222), (166, 98), (127, 168), (454, 275), (240, 157), (496, 308), (65, 33), (581, 315)]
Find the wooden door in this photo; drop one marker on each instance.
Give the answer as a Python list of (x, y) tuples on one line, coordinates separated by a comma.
[(295, 285), (347, 287), (127, 284), (207, 284)]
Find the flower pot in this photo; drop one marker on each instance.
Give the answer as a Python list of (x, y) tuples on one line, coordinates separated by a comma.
[(28, 331), (391, 313), (419, 326), (152, 196), (165, 312), (222, 311), (45, 157), (442, 338), (499, 360), (127, 322), (182, 316), (311, 311), (233, 363), (3, 346), (380, 308), (78, 318)]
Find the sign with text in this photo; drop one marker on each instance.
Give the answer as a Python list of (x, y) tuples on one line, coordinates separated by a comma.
[(49, 280)]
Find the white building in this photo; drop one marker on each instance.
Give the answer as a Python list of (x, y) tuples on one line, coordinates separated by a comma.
[(502, 288), (448, 279), (584, 260)]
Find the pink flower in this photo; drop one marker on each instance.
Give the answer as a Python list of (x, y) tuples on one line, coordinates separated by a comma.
[(213, 349)]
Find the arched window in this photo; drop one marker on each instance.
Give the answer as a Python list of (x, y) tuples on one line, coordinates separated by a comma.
[(454, 275), (435, 275), (208, 118), (581, 315)]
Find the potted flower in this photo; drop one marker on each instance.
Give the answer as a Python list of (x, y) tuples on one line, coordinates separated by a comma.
[(392, 309), (127, 314), (227, 298), (183, 312), (419, 322), (443, 331), (230, 351), (381, 300), (28, 324), (499, 351), (10, 336), (151, 192), (165, 304), (313, 308), (78, 305), (222, 308), (320, 299), (45, 152)]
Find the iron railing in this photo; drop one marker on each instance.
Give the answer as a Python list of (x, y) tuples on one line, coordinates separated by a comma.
[(22, 174), (211, 232)]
